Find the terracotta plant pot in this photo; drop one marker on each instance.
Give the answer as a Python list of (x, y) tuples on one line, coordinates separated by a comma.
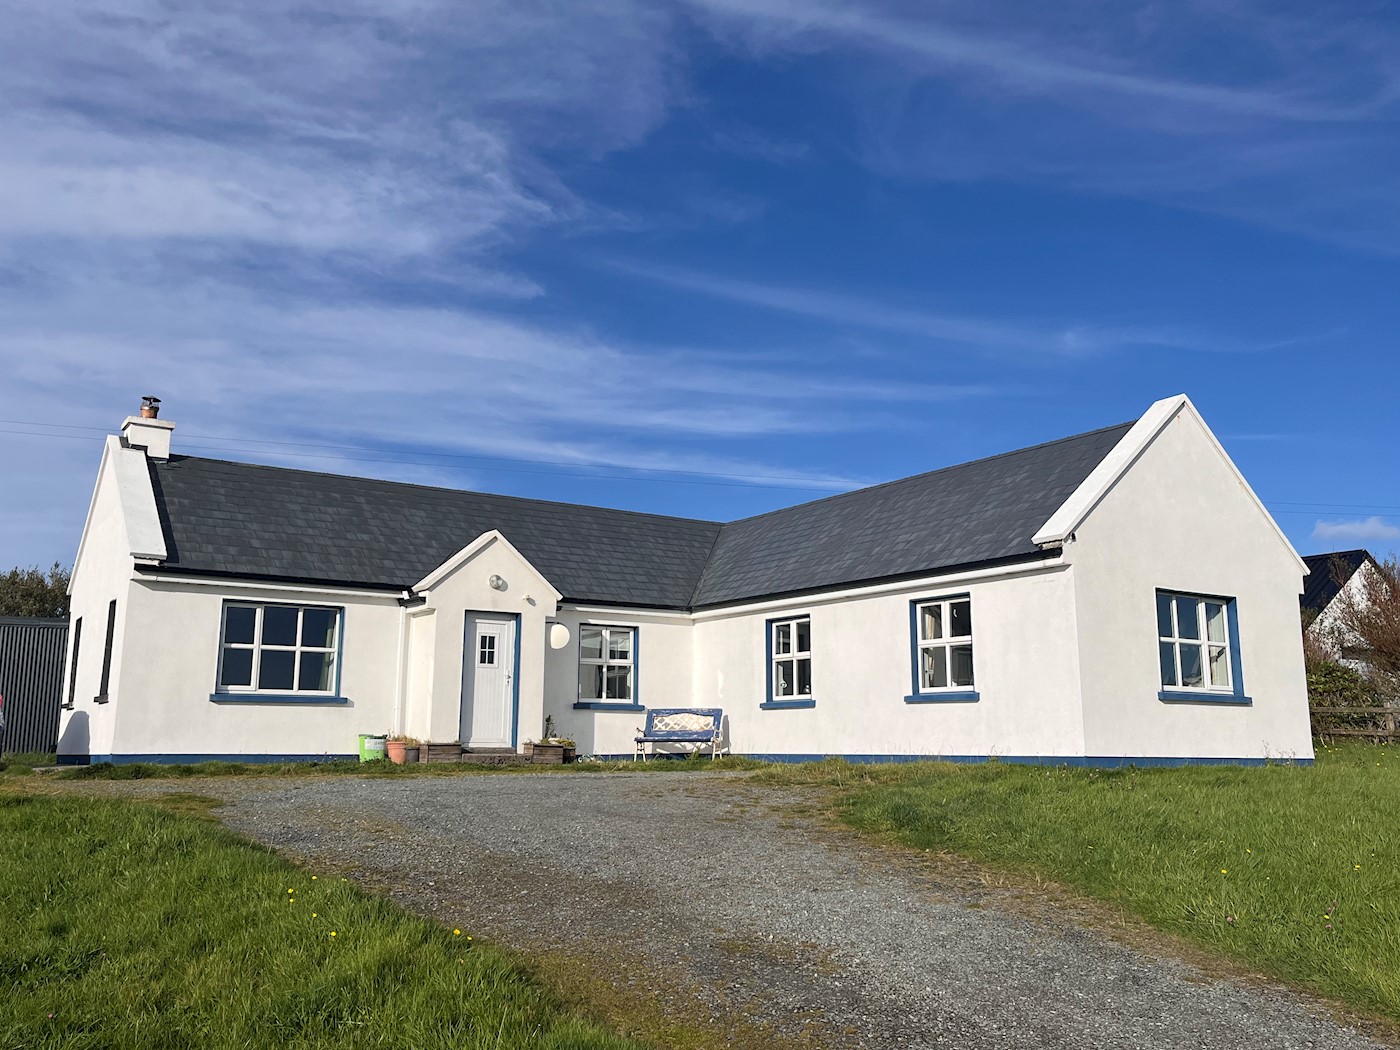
[(396, 749)]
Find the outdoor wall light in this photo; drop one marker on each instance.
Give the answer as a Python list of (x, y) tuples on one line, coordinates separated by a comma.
[(497, 583)]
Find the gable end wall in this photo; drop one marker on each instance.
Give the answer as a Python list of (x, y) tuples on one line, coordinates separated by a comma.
[(1179, 519)]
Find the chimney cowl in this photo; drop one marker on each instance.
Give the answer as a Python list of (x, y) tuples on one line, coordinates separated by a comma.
[(150, 407)]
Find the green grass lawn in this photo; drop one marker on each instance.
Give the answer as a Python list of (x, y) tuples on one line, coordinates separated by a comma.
[(127, 925), (1294, 871)]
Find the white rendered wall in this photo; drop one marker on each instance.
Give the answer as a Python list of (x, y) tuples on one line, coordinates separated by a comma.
[(170, 668), (464, 590), (1025, 665), (662, 677), (1180, 520), (101, 572)]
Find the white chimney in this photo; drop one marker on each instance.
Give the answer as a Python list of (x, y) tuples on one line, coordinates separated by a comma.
[(148, 432)]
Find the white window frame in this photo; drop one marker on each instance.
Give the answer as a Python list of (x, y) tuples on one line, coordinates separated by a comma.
[(947, 642), (606, 661), (1201, 641), (795, 657), (257, 646)]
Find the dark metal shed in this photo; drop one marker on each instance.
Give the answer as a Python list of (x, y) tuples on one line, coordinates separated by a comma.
[(31, 681)]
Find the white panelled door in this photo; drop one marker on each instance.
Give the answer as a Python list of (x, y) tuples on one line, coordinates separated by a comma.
[(488, 685)]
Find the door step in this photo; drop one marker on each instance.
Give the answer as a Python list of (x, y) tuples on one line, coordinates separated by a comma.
[(484, 756)]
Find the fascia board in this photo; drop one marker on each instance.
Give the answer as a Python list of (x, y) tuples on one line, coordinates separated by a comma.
[(1101, 479), (144, 536)]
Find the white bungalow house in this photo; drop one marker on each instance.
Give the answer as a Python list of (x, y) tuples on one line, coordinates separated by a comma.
[(1120, 596)]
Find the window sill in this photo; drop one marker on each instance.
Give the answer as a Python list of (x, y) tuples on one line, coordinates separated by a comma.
[(784, 705), (1190, 696), (952, 696), (606, 705), (275, 698)]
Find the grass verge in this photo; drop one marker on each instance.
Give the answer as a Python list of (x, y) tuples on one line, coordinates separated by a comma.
[(1293, 871), (162, 771), (129, 925)]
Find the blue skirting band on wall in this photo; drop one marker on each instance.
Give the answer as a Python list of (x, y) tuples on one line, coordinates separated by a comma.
[(171, 760), (1074, 761)]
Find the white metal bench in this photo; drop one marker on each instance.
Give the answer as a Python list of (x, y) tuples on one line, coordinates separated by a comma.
[(699, 726)]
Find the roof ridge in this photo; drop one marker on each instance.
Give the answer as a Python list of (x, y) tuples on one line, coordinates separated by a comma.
[(928, 473), (447, 489)]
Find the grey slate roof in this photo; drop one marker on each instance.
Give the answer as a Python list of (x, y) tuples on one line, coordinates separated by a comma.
[(986, 510), (240, 519)]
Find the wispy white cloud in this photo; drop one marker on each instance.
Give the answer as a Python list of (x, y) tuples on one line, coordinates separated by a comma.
[(1374, 529), (1285, 118), (1073, 339)]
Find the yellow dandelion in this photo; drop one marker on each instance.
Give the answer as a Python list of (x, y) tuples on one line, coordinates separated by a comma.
[(291, 891), (1224, 871), (313, 915), (332, 933), (313, 878), (456, 933), (1356, 867)]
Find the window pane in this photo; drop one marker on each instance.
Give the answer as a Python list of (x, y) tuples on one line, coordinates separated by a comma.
[(1164, 618), (1215, 622), (620, 645), (960, 620), (318, 628), (486, 651), (962, 665), (1187, 622), (619, 683), (276, 669), (239, 621), (782, 639), (1192, 673), (783, 683), (930, 622), (935, 667), (804, 636), (590, 642), (279, 626), (804, 677), (1219, 667), (590, 682), (315, 671), (1167, 657), (238, 667)]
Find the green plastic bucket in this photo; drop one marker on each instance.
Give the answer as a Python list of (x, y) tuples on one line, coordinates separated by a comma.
[(372, 747)]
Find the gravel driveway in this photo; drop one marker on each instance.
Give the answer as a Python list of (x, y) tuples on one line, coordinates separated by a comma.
[(742, 898)]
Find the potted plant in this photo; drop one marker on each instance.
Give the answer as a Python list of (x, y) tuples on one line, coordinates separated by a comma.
[(398, 747), (550, 750)]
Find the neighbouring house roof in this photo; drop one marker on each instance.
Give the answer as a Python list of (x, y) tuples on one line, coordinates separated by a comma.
[(1322, 583), (240, 519)]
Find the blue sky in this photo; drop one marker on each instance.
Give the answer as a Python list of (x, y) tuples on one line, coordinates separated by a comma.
[(706, 258)]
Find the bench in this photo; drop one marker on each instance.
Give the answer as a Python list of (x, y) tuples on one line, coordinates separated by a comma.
[(680, 725)]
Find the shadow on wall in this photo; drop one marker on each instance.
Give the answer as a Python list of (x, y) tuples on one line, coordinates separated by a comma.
[(76, 739)]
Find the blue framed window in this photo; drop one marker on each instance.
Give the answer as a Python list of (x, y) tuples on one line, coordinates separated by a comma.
[(789, 649), (607, 664), (279, 650), (941, 650), (1198, 652)]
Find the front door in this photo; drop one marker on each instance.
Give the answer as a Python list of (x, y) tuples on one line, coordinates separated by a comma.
[(488, 685)]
